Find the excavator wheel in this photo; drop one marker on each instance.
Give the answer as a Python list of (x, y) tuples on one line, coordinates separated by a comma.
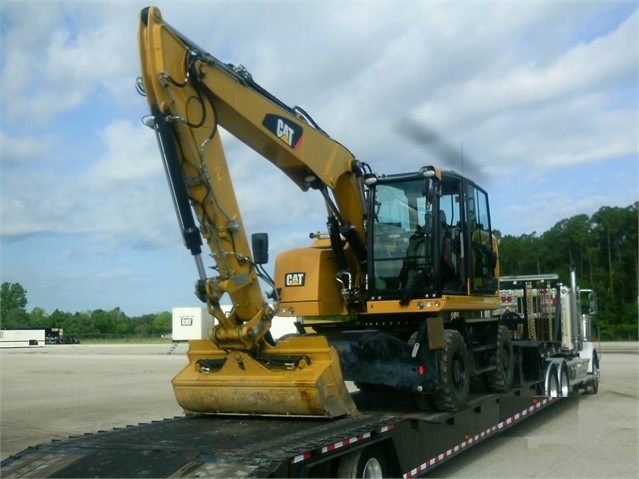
[(454, 367), (501, 379)]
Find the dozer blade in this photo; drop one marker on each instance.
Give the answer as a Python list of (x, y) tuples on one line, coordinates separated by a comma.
[(300, 376)]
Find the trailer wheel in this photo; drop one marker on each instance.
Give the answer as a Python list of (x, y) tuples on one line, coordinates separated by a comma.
[(369, 462), (501, 379), (551, 382), (593, 385), (454, 368), (564, 380)]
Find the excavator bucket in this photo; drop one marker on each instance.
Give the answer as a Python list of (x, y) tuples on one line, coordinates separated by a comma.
[(300, 376)]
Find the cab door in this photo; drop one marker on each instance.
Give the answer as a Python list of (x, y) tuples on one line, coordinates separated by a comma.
[(482, 245)]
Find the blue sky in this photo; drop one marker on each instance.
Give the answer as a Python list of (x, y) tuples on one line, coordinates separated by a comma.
[(542, 95)]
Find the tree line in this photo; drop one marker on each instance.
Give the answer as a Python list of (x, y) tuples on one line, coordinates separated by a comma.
[(88, 324), (602, 249)]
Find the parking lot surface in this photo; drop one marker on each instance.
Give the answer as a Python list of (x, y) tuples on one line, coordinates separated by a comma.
[(58, 391)]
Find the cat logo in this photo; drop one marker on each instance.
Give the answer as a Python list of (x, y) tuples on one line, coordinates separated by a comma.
[(294, 279), (287, 131)]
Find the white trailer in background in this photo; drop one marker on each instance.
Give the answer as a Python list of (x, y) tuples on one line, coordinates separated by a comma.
[(21, 338), (195, 322), (191, 323)]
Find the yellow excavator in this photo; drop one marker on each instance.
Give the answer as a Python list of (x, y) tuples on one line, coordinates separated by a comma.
[(396, 295)]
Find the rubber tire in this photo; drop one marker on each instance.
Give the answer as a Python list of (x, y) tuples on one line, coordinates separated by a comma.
[(564, 381), (454, 370), (501, 379), (369, 462), (593, 386), (551, 381)]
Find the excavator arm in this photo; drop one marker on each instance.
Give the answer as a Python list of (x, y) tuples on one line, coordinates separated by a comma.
[(191, 95)]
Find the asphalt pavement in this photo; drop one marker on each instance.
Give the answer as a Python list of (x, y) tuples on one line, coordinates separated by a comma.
[(58, 391)]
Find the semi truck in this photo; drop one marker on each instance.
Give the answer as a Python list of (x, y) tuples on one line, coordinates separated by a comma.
[(57, 336), (406, 351)]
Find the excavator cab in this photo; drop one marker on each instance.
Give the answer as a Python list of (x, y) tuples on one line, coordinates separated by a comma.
[(429, 235)]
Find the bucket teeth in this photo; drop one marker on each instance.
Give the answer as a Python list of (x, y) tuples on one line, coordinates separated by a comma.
[(300, 376)]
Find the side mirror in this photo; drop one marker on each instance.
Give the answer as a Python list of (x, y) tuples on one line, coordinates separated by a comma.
[(429, 187), (592, 301), (428, 190), (260, 247)]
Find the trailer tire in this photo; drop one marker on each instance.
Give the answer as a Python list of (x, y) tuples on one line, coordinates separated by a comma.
[(593, 385), (551, 381), (369, 462), (501, 379), (454, 370), (564, 380)]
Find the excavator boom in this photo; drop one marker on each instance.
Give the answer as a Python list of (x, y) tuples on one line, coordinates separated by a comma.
[(191, 94)]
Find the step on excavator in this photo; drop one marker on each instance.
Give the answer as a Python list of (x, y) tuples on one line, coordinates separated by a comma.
[(396, 295)]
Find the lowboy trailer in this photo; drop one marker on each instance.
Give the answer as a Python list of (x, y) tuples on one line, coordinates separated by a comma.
[(389, 438), (386, 440)]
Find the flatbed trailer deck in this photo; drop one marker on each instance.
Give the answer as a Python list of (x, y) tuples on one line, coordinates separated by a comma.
[(406, 443)]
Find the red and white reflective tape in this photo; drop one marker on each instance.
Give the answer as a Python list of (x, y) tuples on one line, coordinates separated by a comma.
[(301, 457), (476, 438), (353, 440), (339, 444)]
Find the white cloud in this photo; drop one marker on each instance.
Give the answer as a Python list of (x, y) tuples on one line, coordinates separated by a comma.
[(531, 89), (57, 55), (16, 150), (130, 156)]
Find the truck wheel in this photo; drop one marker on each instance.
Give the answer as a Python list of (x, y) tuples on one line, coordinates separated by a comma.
[(369, 462), (593, 385), (551, 382), (501, 379), (454, 370), (564, 381)]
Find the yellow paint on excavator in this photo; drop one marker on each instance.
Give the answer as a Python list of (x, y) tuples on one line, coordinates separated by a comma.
[(299, 376)]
